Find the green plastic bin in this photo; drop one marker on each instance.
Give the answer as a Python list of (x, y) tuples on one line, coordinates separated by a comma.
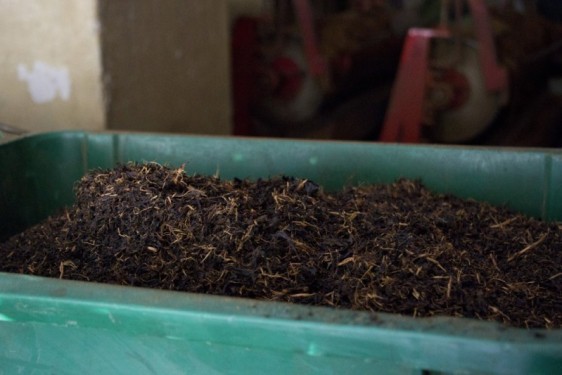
[(50, 326)]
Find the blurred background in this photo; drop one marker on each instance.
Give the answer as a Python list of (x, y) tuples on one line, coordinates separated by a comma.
[(427, 71)]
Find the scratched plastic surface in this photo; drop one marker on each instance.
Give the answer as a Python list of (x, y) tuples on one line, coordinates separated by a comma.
[(52, 326)]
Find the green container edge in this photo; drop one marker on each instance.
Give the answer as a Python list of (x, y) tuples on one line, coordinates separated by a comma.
[(233, 335)]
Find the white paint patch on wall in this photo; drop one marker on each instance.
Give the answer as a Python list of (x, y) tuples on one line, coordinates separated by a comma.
[(45, 82)]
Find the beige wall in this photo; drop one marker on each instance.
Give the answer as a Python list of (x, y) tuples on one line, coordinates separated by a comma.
[(252, 8), (129, 64), (167, 65), (50, 65)]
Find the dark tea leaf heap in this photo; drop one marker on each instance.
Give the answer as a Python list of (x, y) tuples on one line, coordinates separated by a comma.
[(387, 248)]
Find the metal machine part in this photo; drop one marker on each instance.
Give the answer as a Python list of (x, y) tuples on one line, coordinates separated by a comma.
[(299, 73), (294, 95), (407, 110), (469, 110), (458, 89)]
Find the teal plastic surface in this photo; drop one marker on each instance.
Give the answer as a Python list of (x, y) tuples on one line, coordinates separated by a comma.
[(50, 326)]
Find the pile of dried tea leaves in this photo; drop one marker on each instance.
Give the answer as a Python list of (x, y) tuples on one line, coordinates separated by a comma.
[(387, 248)]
